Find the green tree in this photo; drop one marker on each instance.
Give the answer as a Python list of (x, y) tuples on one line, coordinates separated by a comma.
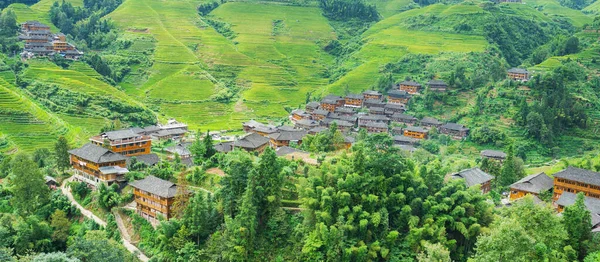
[(61, 225), (208, 145), (54, 257), (27, 185), (434, 253), (237, 166), (577, 222), (512, 169), (41, 156), (95, 246), (61, 152)]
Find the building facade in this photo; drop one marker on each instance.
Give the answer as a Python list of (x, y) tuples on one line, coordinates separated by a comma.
[(154, 197), (126, 142), (94, 164)]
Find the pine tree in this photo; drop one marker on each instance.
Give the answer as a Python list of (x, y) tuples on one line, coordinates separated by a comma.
[(196, 217), (61, 150), (208, 146)]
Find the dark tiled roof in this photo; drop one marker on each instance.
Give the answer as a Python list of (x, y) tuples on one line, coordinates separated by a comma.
[(96, 154), (120, 134), (321, 112), (252, 124), (265, 129), (349, 139), (251, 141), (312, 105), (430, 121), (536, 183), (567, 199), (333, 97), (580, 175), (416, 129), (403, 116), (373, 117), (224, 147), (406, 139), (351, 119), (170, 132), (300, 112), (493, 153), (286, 128), (178, 149), (398, 94), (157, 186), (286, 150), (518, 71), (376, 109), (436, 82), (288, 135), (454, 126), (307, 122), (410, 83), (318, 129), (473, 176), (148, 159), (329, 101), (354, 96), (376, 125), (341, 123), (394, 106), (344, 109)]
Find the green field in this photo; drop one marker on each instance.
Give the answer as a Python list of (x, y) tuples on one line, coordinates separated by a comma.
[(554, 10)]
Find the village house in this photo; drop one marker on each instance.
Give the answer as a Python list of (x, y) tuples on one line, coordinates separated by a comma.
[(34, 26), (371, 94), (312, 106), (329, 105), (250, 125), (173, 124), (51, 182), (344, 111), (224, 147), (390, 109), (591, 204), (317, 130), (376, 127), (376, 111), (493, 155), (299, 114), (410, 87), (343, 126), (416, 132), (319, 114), (154, 197), (364, 119), (397, 131), (94, 164), (39, 41), (354, 100), (349, 141), (352, 119), (252, 142), (430, 122), (437, 85), (306, 124), (126, 142), (404, 118), (454, 130), (180, 149), (166, 134), (575, 180), (475, 176), (398, 97), (284, 138), (405, 140), (518, 74), (148, 159), (265, 130), (531, 185), (368, 103)]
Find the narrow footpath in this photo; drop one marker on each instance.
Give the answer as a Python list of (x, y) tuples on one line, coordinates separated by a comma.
[(124, 234)]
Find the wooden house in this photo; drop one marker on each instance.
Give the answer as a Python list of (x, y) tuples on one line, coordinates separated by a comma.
[(410, 87), (416, 132), (299, 114), (454, 130), (352, 119), (398, 97), (404, 118), (371, 94), (531, 185), (319, 114), (397, 131), (343, 126), (329, 105), (125, 142), (493, 155), (405, 140), (368, 103), (51, 182), (34, 26), (166, 134), (518, 74), (265, 130), (345, 111), (376, 127), (318, 130), (473, 177), (306, 124), (153, 197), (354, 100), (377, 111), (284, 138), (311, 106), (390, 109), (364, 119), (252, 143), (94, 164), (575, 180), (429, 122), (437, 85), (180, 149)]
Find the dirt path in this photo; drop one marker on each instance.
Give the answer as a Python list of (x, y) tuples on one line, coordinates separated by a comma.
[(124, 234)]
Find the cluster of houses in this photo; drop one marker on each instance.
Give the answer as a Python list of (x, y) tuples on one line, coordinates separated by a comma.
[(105, 159), (39, 41), (565, 185)]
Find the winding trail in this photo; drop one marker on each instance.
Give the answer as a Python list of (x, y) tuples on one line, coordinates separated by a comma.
[(124, 234)]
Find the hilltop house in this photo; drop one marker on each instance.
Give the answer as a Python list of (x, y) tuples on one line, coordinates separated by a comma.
[(410, 87), (473, 177), (371, 94), (312, 106), (126, 142), (518, 74), (437, 85), (39, 41), (398, 97), (532, 184), (575, 180), (94, 164), (454, 130), (354, 100), (416, 132), (493, 155), (153, 197)]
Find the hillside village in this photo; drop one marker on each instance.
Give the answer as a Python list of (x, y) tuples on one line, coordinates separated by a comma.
[(40, 42)]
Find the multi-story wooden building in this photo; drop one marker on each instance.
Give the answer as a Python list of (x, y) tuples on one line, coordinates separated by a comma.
[(354, 100), (319, 114), (343, 126), (575, 180), (475, 176), (370, 102), (299, 114), (376, 127), (329, 105), (390, 109), (493, 155), (284, 138), (518, 74), (34, 26), (371, 94), (345, 111), (411, 87), (94, 164), (404, 119), (306, 124), (531, 185), (430, 122), (377, 111), (125, 142), (437, 85), (405, 140), (252, 143), (454, 130), (416, 132), (364, 119), (398, 97), (154, 197), (312, 106)]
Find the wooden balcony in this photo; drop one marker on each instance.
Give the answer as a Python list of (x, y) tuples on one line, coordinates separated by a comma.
[(140, 202)]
